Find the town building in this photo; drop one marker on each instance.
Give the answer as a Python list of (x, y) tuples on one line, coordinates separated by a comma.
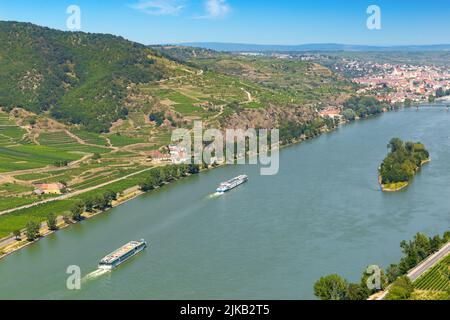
[(49, 188)]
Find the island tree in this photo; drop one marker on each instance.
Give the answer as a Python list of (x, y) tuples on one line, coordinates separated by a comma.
[(401, 164)]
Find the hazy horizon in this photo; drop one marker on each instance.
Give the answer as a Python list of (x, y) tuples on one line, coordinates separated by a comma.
[(230, 21)]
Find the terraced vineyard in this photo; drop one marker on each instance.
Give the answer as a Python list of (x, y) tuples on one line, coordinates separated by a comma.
[(105, 129), (23, 157), (63, 141), (4, 119), (199, 96), (90, 137), (122, 140), (436, 279), (103, 177), (10, 133), (11, 222)]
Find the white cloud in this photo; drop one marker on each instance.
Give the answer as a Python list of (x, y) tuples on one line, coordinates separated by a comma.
[(215, 9), (159, 7)]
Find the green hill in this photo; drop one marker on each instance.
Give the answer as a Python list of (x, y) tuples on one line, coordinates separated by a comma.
[(93, 80), (78, 78)]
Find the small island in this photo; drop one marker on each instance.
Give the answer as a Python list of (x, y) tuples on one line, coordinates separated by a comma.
[(401, 164)]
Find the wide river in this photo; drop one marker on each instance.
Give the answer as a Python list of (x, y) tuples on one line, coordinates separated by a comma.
[(269, 239)]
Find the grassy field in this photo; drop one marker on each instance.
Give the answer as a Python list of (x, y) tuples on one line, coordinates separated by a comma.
[(18, 153), (63, 141), (122, 140), (105, 176), (191, 96), (118, 155), (162, 138), (14, 134), (280, 80), (436, 279), (10, 134), (14, 195), (32, 176), (19, 219), (90, 137), (14, 188), (7, 203), (23, 157), (5, 120)]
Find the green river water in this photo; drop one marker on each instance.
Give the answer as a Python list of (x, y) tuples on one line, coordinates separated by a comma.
[(271, 238)]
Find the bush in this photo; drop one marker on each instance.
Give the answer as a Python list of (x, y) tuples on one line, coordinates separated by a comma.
[(76, 212), (51, 222), (17, 235), (331, 287), (67, 219), (401, 289), (32, 230)]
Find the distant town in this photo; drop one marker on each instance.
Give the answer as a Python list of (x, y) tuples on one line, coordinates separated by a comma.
[(390, 82), (400, 83)]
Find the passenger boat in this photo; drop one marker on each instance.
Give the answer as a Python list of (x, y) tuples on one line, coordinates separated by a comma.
[(113, 260), (231, 184)]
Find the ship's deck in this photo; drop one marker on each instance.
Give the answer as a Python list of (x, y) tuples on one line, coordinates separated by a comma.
[(242, 178), (121, 251)]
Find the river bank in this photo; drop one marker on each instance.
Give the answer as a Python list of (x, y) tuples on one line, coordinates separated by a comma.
[(265, 240), (398, 186), (9, 245), (13, 246)]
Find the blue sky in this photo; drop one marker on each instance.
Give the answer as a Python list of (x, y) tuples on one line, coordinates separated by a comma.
[(246, 21)]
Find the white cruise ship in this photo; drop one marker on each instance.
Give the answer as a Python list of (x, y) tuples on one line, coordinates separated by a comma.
[(231, 184), (121, 255)]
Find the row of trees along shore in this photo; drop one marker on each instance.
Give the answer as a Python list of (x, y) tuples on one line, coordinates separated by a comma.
[(335, 287), (354, 108), (363, 107), (156, 178), (403, 161)]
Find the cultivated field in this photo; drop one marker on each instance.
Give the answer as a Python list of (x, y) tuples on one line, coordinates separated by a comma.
[(436, 279)]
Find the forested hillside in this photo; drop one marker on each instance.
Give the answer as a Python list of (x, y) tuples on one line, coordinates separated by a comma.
[(90, 81), (79, 78)]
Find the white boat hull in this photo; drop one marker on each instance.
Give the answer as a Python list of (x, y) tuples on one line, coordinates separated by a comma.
[(231, 184), (111, 265)]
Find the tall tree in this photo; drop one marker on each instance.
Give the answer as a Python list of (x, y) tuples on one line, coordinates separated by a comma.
[(51, 222), (76, 211), (401, 289), (17, 234), (32, 230), (331, 287)]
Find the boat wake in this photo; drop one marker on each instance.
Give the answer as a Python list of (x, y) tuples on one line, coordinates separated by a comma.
[(215, 195), (94, 275)]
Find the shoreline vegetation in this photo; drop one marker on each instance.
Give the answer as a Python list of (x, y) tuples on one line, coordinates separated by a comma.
[(415, 251), (60, 223), (401, 164), (94, 205), (114, 195)]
